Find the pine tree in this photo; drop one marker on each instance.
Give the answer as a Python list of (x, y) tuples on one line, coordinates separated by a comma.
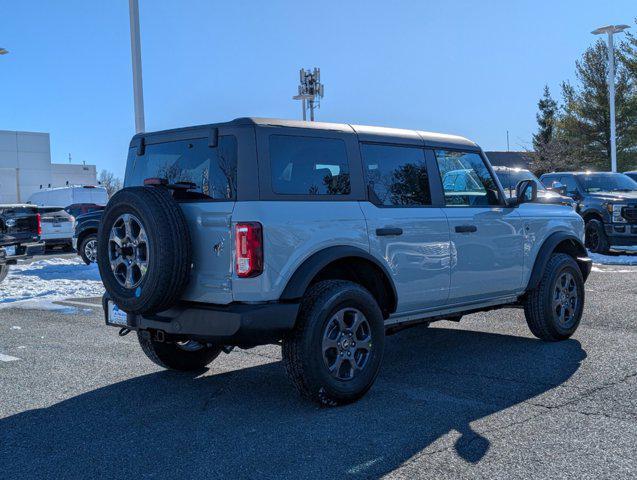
[(546, 118), (550, 152), (628, 55), (585, 123), (628, 58)]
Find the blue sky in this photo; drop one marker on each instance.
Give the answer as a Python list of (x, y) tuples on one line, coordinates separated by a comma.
[(465, 67)]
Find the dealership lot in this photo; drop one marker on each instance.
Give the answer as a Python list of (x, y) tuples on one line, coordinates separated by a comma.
[(481, 398)]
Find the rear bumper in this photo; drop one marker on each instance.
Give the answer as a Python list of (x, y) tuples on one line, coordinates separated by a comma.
[(234, 324), (58, 241), (23, 251)]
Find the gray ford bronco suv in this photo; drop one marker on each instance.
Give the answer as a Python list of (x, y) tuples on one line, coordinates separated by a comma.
[(324, 238)]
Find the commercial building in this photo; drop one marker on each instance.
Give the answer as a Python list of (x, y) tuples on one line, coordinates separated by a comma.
[(25, 167)]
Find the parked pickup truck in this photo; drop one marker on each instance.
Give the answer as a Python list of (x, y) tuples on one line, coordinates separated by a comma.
[(20, 230), (606, 201), (85, 235)]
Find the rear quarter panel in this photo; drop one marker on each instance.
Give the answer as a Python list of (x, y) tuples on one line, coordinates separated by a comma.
[(292, 232)]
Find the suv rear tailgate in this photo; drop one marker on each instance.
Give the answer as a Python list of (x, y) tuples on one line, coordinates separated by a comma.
[(210, 225), (18, 224)]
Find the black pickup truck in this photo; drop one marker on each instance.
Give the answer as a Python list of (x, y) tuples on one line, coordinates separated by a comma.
[(20, 230)]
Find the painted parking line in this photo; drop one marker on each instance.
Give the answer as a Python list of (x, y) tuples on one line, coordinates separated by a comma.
[(7, 358), (80, 304)]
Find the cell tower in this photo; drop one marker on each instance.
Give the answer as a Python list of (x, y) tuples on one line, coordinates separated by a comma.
[(310, 91)]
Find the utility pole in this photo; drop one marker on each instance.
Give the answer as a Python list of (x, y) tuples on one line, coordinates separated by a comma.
[(508, 141), (310, 91), (136, 54), (610, 30)]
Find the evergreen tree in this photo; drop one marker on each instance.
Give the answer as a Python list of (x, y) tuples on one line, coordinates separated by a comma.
[(628, 55), (546, 118), (585, 123), (628, 58), (550, 151)]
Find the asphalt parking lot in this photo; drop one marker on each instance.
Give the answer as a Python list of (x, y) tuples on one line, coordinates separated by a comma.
[(480, 399)]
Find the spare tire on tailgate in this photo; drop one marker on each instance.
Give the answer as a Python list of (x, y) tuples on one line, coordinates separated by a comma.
[(144, 251)]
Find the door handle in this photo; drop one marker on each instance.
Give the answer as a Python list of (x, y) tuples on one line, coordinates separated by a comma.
[(466, 228), (386, 232)]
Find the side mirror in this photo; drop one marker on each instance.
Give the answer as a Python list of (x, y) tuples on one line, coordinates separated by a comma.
[(526, 191)]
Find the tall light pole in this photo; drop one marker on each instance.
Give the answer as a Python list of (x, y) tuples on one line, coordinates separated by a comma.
[(136, 54), (610, 30)]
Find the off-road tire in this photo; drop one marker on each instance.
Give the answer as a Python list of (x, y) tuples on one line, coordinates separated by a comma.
[(601, 244), (82, 245), (169, 249), (4, 271), (538, 304), (171, 356), (302, 350)]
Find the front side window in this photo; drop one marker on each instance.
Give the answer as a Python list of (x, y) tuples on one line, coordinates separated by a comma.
[(570, 184), (309, 166), (212, 171), (466, 180), (397, 175)]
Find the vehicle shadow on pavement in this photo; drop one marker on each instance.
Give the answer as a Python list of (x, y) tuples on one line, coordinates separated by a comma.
[(249, 423)]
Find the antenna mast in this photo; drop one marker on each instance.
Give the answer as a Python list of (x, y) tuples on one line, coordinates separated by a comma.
[(310, 91)]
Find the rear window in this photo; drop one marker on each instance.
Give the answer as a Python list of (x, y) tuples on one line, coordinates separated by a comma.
[(309, 166), (213, 171)]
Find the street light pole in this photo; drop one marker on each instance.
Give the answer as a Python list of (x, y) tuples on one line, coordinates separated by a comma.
[(136, 54), (610, 30)]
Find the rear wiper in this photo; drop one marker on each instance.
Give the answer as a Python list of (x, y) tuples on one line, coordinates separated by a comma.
[(171, 186)]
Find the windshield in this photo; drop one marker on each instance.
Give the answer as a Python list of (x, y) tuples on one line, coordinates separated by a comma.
[(510, 178), (606, 182)]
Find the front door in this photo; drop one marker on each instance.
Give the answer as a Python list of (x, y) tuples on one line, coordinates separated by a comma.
[(487, 238), (405, 229)]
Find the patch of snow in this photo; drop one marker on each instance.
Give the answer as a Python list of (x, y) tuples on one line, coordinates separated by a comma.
[(38, 284), (614, 258), (608, 270)]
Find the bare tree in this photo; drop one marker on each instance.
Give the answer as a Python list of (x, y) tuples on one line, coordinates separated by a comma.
[(109, 181)]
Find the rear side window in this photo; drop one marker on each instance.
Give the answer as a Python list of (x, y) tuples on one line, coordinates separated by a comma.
[(213, 171), (397, 175), (309, 166)]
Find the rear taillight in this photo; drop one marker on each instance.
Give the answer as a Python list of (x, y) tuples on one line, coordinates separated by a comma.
[(248, 238), (39, 218)]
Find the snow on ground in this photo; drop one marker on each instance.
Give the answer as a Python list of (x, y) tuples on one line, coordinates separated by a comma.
[(628, 257), (39, 283)]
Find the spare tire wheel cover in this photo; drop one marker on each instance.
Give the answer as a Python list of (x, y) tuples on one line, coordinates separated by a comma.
[(145, 262)]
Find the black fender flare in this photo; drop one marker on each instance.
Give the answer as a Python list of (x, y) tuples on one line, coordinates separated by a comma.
[(301, 278), (548, 247), (87, 229), (591, 211)]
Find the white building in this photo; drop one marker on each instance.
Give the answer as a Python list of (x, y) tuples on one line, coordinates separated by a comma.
[(25, 167)]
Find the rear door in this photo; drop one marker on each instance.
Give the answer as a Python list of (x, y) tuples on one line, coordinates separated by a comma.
[(487, 238), (405, 225)]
